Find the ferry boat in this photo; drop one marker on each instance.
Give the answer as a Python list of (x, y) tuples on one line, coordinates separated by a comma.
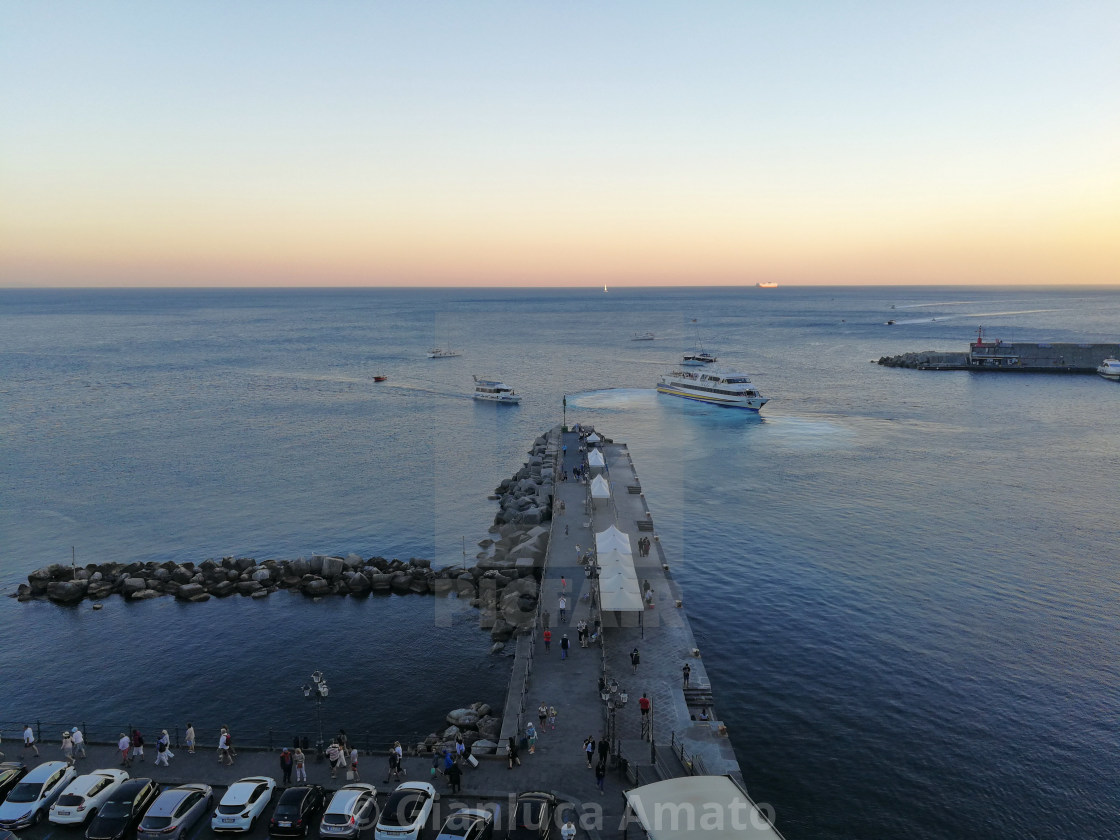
[(1110, 369), (766, 285), (443, 353), (646, 336), (698, 359), (734, 390), (491, 391)]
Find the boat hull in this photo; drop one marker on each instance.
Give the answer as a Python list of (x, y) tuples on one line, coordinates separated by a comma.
[(498, 398), (747, 403)]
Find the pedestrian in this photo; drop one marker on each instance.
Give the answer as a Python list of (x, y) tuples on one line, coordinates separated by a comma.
[(298, 762), (123, 746), (604, 749), (513, 757), (137, 744), (565, 529), (552, 716), (352, 774), (581, 633), (448, 761), (340, 739), (600, 775), (189, 737), (589, 750), (67, 747), (568, 831), (531, 735), (334, 756), (644, 705), (461, 747), (563, 584), (547, 636), (563, 608), (393, 770), (564, 645), (400, 757), (546, 616), (635, 659), (542, 713), (224, 756), (29, 740), (229, 743), (79, 742), (454, 776), (286, 763), (163, 749), (687, 672)]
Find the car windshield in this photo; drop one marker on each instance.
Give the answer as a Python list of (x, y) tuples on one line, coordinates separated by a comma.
[(283, 810), (529, 814), (458, 826), (336, 819), (116, 810), (231, 809), (401, 808), (25, 792), (70, 800), (155, 823)]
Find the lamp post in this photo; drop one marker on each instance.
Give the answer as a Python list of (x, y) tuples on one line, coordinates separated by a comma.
[(317, 689), (611, 734)]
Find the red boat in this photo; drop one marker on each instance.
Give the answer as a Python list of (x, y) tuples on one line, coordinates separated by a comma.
[(380, 378)]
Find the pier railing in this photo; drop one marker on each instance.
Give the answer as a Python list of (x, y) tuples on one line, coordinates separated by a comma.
[(693, 763)]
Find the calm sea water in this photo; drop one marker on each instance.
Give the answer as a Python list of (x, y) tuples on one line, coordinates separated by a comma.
[(903, 582)]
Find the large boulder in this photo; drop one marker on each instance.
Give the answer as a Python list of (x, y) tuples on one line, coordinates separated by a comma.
[(332, 567), (484, 746), (65, 591), (315, 587), (133, 585), (143, 595), (188, 591), (463, 718)]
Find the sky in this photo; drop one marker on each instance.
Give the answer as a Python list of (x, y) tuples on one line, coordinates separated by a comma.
[(565, 143)]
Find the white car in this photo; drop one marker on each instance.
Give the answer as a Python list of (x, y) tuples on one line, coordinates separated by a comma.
[(29, 801), (243, 803), (85, 795), (406, 812), (352, 810)]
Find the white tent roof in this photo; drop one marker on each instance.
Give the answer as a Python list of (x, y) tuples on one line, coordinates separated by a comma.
[(593, 438), (698, 808), (618, 582), (595, 459), (600, 488), (612, 539)]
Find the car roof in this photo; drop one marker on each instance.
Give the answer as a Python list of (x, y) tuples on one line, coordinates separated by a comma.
[(44, 771), (239, 792), (344, 797), (87, 781), (169, 800), (297, 794), (133, 786)]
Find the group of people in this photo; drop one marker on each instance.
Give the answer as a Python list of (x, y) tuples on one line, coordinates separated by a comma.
[(643, 546), (341, 755), (131, 747), (601, 750)]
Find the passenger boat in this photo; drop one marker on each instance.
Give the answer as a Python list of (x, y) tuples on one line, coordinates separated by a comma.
[(443, 353), (733, 390), (698, 359), (1110, 369), (646, 336), (491, 391), (380, 378), (766, 285)]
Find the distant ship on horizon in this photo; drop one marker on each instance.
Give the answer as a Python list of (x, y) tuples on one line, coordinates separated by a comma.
[(766, 285)]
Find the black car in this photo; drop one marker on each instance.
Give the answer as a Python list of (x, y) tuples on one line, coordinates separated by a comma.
[(10, 773), (120, 815), (532, 816), (295, 811)]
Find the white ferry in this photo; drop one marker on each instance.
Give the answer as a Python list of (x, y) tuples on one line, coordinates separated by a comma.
[(1109, 369), (720, 387), (443, 353), (491, 391), (766, 285)]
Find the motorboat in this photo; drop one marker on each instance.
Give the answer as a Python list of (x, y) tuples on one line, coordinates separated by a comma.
[(766, 285), (698, 359), (1110, 369), (443, 353), (646, 336), (733, 390), (490, 390), (380, 378)]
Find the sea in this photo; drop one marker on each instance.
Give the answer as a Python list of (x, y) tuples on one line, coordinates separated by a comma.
[(903, 583)]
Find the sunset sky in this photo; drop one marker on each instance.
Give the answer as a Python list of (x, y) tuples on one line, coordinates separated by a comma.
[(558, 143)]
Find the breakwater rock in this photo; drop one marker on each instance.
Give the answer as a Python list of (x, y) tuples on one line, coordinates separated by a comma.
[(925, 360)]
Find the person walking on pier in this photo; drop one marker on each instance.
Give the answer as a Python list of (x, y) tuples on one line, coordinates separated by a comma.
[(189, 738), (568, 830), (224, 756), (564, 645), (604, 750), (600, 775), (67, 747), (394, 766), (531, 735), (352, 774), (29, 740), (547, 636), (513, 757), (589, 750), (286, 762), (542, 714), (298, 761), (563, 608), (123, 746), (552, 716), (687, 672), (79, 742), (635, 658), (137, 744), (454, 776), (334, 756), (163, 749), (400, 757)]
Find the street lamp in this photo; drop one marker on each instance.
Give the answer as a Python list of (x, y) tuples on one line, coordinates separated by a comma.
[(319, 690)]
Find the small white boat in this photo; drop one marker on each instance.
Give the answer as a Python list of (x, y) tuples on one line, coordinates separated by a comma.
[(698, 359), (490, 390), (733, 390), (443, 353), (646, 336), (766, 285), (1110, 369)]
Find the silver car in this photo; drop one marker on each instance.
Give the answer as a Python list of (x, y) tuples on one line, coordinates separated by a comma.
[(175, 811), (352, 809)]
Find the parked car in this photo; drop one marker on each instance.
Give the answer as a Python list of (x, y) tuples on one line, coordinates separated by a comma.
[(84, 796), (468, 824), (10, 773), (405, 812), (175, 812), (295, 811), (243, 803), (122, 811), (352, 810), (32, 796), (532, 816)]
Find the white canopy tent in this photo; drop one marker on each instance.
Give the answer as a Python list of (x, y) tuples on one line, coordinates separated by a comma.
[(612, 539), (600, 489), (593, 438), (595, 460), (618, 582), (698, 808)]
